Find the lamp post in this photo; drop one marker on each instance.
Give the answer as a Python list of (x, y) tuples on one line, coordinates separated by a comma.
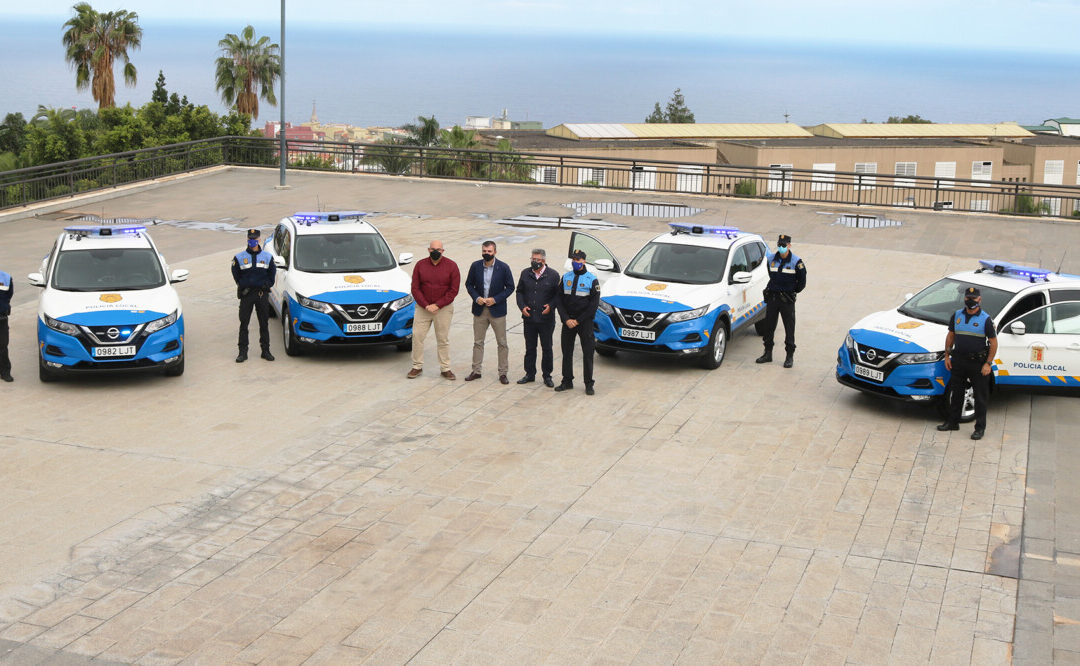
[(281, 128)]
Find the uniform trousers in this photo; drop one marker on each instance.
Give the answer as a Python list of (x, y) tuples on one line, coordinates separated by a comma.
[(775, 308), (969, 369), (5, 361), (583, 330), (541, 333), (422, 322), (259, 301), (481, 322)]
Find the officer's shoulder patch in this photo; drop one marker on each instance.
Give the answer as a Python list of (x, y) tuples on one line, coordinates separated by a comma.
[(800, 264)]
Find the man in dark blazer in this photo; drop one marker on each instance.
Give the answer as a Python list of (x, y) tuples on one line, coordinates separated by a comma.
[(538, 293), (489, 284)]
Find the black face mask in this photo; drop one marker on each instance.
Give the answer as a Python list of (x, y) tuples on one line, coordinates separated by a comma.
[(536, 265), (435, 254), (971, 303), (487, 257)]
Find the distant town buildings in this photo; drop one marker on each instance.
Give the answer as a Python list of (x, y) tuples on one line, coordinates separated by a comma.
[(501, 123)]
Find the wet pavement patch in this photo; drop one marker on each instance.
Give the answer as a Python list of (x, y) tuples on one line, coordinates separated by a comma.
[(856, 221), (647, 209), (548, 222)]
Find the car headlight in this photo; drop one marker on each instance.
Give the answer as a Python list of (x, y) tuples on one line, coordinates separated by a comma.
[(318, 306), (687, 314), (849, 342), (927, 357), (606, 308), (401, 302), (159, 324), (62, 326)]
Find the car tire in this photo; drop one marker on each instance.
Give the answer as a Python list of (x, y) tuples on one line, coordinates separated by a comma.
[(45, 374), (606, 352), (176, 369), (288, 340), (716, 350), (967, 412)]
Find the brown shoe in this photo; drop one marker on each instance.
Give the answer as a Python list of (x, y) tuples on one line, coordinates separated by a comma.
[(471, 376), (448, 375), (414, 373), (503, 379)]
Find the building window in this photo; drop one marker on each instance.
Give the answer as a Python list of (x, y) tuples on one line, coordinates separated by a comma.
[(823, 178), (590, 176), (980, 204), (865, 182), (689, 178), (945, 170), (1053, 172), (982, 171), (905, 169), (546, 174), (778, 179)]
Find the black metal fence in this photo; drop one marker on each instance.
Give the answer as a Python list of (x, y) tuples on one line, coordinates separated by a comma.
[(26, 186)]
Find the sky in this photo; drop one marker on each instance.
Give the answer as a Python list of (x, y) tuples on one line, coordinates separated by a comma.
[(996, 25)]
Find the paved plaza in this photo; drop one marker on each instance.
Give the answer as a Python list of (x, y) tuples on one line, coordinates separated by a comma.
[(325, 510)]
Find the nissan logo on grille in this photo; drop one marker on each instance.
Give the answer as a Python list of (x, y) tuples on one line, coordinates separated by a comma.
[(361, 311), (871, 354), (113, 333), (638, 317)]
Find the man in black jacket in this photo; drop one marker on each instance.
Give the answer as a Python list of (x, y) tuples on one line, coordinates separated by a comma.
[(577, 308), (7, 290), (538, 298), (253, 271)]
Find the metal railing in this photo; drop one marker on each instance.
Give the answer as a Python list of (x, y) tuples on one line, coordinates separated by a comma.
[(785, 184)]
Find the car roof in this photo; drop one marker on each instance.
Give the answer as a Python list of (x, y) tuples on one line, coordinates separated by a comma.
[(1014, 284), (720, 241), (71, 241), (319, 223)]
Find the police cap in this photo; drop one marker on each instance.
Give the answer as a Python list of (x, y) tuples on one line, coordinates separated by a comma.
[(578, 254), (254, 233), (784, 239), (972, 291)]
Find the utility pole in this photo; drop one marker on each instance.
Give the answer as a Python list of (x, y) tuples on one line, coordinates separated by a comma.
[(281, 128)]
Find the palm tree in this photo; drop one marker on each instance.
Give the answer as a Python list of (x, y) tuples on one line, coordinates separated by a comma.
[(244, 64), (424, 133), (94, 41)]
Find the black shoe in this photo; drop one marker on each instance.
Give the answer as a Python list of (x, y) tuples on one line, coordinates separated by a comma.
[(978, 434), (764, 358), (7, 377), (241, 357), (789, 361), (589, 390), (948, 426), (548, 383), (267, 355), (526, 380), (565, 386)]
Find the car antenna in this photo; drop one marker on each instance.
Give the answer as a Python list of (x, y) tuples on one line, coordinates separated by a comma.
[(318, 203), (1062, 264)]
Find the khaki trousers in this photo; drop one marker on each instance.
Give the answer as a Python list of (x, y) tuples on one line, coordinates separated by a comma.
[(422, 321), (479, 327)]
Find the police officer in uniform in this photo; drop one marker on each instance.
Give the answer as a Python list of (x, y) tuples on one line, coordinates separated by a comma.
[(253, 271), (969, 347), (7, 290), (787, 277), (577, 308)]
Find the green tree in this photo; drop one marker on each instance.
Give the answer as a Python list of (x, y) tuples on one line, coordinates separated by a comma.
[(657, 116), (54, 136), (247, 63), (507, 164), (455, 161), (423, 133), (93, 42), (676, 111), (908, 120), (13, 133), (392, 156), (160, 94)]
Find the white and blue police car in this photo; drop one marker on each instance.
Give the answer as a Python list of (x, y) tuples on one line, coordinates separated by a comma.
[(338, 284), (900, 353), (108, 304), (683, 294)]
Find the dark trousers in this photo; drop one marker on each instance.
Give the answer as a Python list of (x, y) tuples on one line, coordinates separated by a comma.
[(5, 362), (778, 308), (966, 370), (542, 332), (260, 302), (583, 330)]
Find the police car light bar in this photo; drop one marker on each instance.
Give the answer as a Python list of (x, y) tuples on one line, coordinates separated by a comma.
[(104, 231), (698, 229), (1014, 270), (337, 216)]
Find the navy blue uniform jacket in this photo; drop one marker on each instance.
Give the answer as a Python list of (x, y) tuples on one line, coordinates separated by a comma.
[(502, 286)]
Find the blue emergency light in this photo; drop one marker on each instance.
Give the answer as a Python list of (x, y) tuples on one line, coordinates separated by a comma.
[(337, 216), (106, 231), (702, 229), (1014, 270)]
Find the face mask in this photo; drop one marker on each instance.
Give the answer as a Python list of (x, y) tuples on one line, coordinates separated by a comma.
[(781, 249), (435, 254), (487, 257), (971, 303), (253, 243), (579, 266), (536, 265)]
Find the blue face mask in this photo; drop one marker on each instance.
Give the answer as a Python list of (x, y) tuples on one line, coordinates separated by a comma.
[(578, 265), (253, 243), (781, 249)]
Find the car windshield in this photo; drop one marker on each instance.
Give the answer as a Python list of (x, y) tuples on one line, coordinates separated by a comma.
[(110, 269), (675, 262), (939, 301), (343, 253)]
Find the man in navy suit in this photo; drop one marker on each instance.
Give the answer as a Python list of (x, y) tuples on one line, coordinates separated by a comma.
[(489, 284)]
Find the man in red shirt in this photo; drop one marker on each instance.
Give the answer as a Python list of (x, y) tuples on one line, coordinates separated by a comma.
[(435, 283)]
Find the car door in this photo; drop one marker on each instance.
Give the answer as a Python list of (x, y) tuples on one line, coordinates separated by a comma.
[(1042, 347), (595, 251), (280, 247), (738, 293)]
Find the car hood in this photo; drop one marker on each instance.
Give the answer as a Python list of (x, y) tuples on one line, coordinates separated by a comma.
[(633, 293), (90, 308), (352, 288), (895, 332)]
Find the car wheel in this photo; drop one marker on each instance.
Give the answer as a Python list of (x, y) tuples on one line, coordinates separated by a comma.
[(717, 347), (967, 409), (176, 369), (288, 340)]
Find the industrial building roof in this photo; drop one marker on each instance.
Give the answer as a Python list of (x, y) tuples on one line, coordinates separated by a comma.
[(872, 142), (539, 140), (1042, 129), (915, 130), (591, 131), (1064, 121)]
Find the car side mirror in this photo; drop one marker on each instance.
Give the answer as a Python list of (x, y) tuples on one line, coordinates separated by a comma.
[(179, 275), (604, 265), (1017, 328), (404, 258), (36, 279), (279, 261), (740, 277)]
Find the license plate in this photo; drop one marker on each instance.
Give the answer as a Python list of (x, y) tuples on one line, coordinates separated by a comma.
[(634, 334), (876, 375), (110, 352), (375, 327)]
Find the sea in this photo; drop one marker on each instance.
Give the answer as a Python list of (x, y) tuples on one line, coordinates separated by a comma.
[(379, 77)]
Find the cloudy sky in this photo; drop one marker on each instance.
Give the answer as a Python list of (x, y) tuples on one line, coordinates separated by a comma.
[(1015, 25)]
